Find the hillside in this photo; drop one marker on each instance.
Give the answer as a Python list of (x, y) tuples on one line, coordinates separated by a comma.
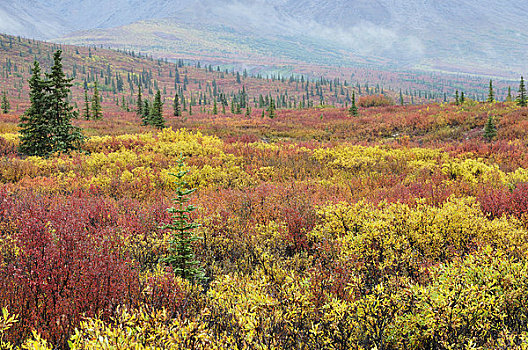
[(456, 36), (120, 73)]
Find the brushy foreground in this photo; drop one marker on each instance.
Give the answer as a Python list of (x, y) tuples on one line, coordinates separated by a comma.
[(306, 245)]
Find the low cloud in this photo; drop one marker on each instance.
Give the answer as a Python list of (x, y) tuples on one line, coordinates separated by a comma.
[(363, 38)]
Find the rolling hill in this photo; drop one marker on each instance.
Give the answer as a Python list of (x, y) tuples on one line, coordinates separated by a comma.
[(480, 37)]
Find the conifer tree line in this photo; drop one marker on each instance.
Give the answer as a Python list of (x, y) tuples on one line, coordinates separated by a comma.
[(46, 128), (213, 95)]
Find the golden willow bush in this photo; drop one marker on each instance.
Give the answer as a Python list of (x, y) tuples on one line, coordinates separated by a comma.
[(305, 245)]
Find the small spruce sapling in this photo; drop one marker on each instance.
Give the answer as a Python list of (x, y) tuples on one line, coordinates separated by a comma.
[(181, 255), (490, 129)]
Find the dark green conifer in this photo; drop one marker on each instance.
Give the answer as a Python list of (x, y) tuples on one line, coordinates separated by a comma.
[(96, 104), (65, 136), (521, 98), (35, 127), (156, 117), (5, 105), (46, 126), (490, 129), (271, 109), (354, 112), (176, 106), (139, 103), (491, 94), (145, 113), (86, 106), (181, 255)]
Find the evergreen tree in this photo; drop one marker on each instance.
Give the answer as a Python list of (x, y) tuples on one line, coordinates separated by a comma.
[(271, 109), (401, 98), (86, 106), (353, 108), (181, 256), (5, 105), (139, 103), (490, 129), (35, 128), (65, 136), (521, 98), (509, 98), (46, 126), (96, 104), (176, 106), (145, 113), (462, 98), (156, 117), (491, 95), (215, 108), (457, 100)]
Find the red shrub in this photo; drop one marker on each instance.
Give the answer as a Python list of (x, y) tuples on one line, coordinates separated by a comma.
[(374, 101), (70, 263)]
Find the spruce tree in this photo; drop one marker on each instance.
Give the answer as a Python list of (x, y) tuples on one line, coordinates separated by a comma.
[(35, 127), (215, 108), (46, 126), (176, 106), (491, 95), (156, 118), (457, 100), (5, 105), (181, 255), (509, 98), (401, 98), (65, 136), (462, 98), (490, 129), (86, 106), (271, 109), (353, 108), (139, 102), (521, 98), (96, 104), (145, 113)]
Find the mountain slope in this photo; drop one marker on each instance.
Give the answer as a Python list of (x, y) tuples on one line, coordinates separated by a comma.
[(453, 35)]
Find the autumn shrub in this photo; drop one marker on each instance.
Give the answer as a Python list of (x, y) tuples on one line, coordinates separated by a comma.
[(63, 258), (374, 101)]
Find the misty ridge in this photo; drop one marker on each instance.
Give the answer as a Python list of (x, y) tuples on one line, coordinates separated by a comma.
[(443, 35)]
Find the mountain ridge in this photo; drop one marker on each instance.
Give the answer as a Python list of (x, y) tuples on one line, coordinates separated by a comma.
[(466, 35)]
